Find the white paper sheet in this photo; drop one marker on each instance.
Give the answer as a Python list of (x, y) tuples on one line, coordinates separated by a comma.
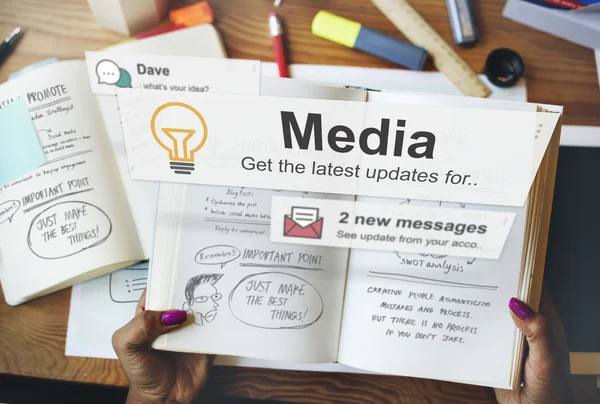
[(101, 306), (453, 307)]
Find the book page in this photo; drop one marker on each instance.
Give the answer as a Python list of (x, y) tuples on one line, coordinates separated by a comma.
[(433, 316), (237, 285), (216, 262), (69, 218), (436, 306)]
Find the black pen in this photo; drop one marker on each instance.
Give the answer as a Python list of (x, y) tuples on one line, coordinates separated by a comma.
[(9, 43), (462, 20)]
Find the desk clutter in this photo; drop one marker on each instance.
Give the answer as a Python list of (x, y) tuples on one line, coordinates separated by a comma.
[(575, 21), (72, 214)]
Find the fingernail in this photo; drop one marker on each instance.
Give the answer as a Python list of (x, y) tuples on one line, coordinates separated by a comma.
[(522, 310), (173, 317)]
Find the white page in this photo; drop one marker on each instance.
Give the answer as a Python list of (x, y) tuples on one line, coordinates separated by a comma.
[(379, 306), (213, 242), (313, 339), (73, 219), (482, 354), (101, 306)]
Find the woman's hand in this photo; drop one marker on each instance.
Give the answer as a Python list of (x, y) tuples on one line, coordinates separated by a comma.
[(158, 376), (547, 378)]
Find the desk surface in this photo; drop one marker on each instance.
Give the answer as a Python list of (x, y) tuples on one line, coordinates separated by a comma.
[(33, 334)]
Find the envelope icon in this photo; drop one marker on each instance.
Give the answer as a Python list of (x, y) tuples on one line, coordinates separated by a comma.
[(303, 222)]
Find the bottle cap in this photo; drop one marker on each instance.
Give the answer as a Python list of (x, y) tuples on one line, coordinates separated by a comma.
[(504, 67)]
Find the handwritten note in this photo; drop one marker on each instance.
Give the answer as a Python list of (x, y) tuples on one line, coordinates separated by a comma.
[(67, 218), (416, 307), (233, 281)]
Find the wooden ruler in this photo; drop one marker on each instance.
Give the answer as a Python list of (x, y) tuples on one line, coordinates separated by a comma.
[(420, 33)]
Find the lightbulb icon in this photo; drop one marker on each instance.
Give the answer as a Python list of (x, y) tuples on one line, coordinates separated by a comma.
[(181, 130)]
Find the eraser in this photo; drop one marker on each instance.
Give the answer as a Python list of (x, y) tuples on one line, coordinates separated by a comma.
[(196, 14)]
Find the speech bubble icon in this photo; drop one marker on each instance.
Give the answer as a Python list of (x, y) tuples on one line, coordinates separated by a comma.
[(217, 255), (108, 72), (68, 228), (276, 300), (124, 79), (8, 210), (127, 285)]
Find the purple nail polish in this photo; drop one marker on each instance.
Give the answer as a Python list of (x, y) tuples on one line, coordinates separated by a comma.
[(522, 310), (173, 317)]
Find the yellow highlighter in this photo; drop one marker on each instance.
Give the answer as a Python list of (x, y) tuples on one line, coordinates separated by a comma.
[(353, 35)]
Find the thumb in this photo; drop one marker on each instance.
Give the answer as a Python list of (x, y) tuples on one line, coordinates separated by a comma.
[(139, 333), (536, 329)]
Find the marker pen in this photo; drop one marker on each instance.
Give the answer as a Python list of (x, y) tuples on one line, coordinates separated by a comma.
[(354, 35)]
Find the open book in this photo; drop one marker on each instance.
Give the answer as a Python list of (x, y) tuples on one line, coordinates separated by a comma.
[(79, 215), (416, 315), (73, 220)]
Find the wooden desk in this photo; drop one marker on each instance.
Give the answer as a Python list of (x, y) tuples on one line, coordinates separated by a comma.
[(32, 336)]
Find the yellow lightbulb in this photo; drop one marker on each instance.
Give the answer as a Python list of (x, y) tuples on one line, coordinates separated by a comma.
[(181, 130)]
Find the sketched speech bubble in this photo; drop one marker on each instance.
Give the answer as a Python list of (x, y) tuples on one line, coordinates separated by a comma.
[(127, 285), (217, 255), (276, 300), (68, 228), (8, 209)]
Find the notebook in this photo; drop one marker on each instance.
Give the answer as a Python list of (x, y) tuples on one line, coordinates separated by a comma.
[(79, 215), (391, 313)]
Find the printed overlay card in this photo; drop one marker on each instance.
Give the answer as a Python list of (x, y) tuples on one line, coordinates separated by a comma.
[(109, 71), (392, 150), (390, 227)]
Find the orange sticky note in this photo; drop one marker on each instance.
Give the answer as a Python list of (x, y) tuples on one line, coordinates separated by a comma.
[(196, 14)]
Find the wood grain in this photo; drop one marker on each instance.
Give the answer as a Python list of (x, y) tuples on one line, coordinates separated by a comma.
[(32, 336)]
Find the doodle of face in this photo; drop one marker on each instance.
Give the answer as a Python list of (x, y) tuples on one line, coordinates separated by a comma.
[(204, 305), (107, 72), (201, 297)]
